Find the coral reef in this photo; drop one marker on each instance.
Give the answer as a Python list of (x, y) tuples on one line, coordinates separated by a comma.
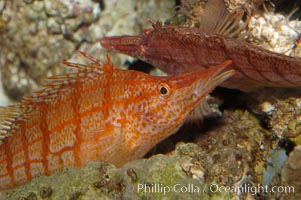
[(36, 36), (240, 147), (276, 33), (153, 178), (290, 175)]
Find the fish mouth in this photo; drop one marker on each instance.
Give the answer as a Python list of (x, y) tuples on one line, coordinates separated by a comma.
[(204, 81), (217, 79), (214, 78), (126, 44)]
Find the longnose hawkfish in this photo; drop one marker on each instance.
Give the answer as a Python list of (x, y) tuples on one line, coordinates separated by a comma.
[(178, 49), (96, 113)]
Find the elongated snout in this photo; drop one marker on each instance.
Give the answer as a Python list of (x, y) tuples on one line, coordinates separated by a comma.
[(124, 44)]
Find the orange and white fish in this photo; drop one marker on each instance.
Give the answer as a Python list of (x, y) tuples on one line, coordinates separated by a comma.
[(96, 113)]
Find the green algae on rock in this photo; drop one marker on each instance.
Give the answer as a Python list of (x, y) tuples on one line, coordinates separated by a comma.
[(175, 176)]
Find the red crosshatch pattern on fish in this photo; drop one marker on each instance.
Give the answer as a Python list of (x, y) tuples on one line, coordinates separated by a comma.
[(96, 113)]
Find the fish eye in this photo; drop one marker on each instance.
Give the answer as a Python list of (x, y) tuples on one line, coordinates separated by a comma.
[(164, 89)]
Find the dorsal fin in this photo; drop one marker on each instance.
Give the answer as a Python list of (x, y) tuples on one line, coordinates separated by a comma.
[(157, 25), (217, 19), (62, 85), (8, 115), (56, 87)]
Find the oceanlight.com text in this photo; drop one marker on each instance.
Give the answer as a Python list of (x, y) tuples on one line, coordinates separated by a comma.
[(212, 188), (251, 189)]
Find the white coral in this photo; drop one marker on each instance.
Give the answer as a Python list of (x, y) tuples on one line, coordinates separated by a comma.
[(275, 32)]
